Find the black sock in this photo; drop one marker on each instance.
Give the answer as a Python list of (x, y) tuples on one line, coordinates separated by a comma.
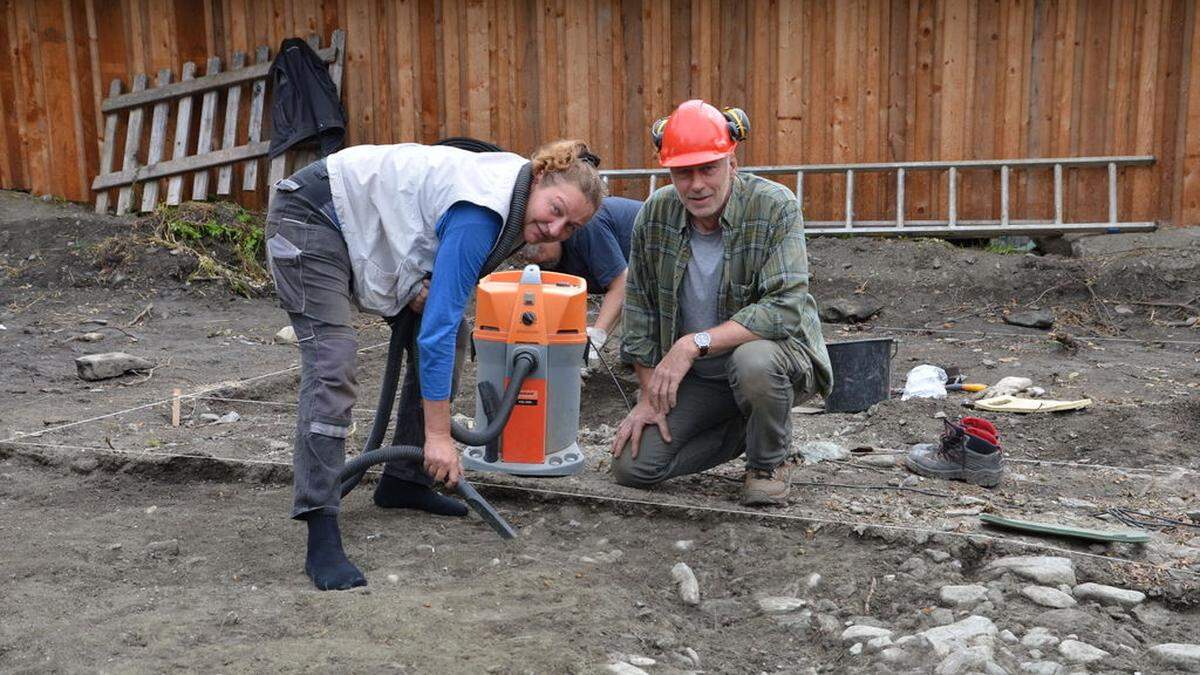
[(326, 563), (396, 493)]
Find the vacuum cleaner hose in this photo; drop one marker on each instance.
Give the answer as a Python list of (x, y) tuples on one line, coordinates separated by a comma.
[(524, 364)]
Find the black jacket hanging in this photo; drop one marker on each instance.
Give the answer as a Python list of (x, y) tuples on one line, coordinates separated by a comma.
[(305, 101)]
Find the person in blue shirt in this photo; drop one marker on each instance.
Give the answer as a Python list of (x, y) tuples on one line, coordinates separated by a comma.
[(599, 253), (399, 229)]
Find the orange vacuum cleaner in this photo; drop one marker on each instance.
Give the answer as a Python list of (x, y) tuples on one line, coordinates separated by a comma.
[(524, 316)]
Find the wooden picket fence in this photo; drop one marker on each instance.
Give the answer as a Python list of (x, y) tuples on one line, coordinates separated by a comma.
[(167, 101)]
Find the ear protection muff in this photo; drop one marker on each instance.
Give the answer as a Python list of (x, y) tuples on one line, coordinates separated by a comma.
[(656, 131), (738, 122)]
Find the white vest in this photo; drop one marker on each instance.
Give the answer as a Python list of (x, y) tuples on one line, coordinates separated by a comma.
[(389, 199)]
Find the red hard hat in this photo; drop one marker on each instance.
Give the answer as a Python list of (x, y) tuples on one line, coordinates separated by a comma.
[(696, 133)]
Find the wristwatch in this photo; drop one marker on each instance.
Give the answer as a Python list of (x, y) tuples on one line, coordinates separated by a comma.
[(703, 341)]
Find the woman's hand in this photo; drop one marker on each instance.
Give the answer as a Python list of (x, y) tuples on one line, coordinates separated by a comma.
[(418, 303), (442, 461)]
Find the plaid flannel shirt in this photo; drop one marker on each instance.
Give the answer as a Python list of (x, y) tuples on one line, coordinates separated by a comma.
[(764, 282)]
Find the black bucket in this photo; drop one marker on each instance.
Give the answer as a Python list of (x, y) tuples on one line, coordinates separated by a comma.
[(862, 373)]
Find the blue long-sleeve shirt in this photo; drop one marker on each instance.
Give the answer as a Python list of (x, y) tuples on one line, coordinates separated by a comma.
[(466, 234)]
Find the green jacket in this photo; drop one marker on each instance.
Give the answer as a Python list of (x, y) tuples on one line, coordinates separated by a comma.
[(764, 282)]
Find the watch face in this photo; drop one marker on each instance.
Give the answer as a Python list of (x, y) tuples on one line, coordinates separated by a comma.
[(703, 339)]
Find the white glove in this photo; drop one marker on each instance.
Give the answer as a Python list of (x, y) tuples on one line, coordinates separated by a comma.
[(598, 336)]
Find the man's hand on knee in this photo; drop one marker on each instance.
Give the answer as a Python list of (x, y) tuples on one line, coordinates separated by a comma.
[(634, 423), (664, 383)]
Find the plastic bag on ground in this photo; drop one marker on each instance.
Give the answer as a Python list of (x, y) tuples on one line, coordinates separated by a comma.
[(925, 381)]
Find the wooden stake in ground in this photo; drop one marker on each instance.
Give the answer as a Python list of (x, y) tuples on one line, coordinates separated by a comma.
[(175, 406)]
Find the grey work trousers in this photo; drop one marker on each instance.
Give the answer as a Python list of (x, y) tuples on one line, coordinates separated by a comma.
[(311, 268), (717, 420)]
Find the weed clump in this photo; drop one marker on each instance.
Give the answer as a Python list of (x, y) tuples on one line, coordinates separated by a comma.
[(226, 241)]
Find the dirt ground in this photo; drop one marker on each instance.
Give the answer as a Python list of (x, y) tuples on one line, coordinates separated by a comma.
[(132, 545)]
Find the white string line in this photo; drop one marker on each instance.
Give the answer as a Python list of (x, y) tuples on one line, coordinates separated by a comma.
[(1098, 338), (371, 412), (281, 404), (1078, 465), (1127, 469), (664, 505), (203, 390), (151, 453)]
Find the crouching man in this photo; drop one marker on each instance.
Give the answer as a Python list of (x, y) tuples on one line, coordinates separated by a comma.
[(719, 322)]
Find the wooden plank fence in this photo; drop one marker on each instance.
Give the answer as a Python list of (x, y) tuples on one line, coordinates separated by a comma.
[(824, 81), (146, 169)]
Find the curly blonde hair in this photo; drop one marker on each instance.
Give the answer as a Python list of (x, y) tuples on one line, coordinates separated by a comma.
[(570, 161)]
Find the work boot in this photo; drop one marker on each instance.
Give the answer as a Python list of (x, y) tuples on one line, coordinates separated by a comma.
[(767, 487), (967, 453)]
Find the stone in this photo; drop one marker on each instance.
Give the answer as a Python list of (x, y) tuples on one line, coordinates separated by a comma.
[(936, 555), (684, 545), (610, 556), (208, 418), (1038, 318), (286, 336), (856, 649), (692, 656), (1080, 652), (1108, 595), (814, 580), (850, 310), (957, 596), (1041, 668), (858, 632), (1178, 654), (85, 465), (228, 418), (689, 588), (1048, 597), (993, 668), (943, 638), (780, 605), (941, 616), (1007, 386), (112, 364), (827, 623), (1068, 620), (1072, 503), (622, 668), (90, 337), (964, 661), (723, 608), (1153, 614), (639, 661), (1042, 569), (802, 619), (893, 655), (819, 451), (1008, 637), (167, 548), (878, 643)]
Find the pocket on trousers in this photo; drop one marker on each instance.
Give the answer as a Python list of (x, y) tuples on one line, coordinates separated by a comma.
[(287, 269)]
